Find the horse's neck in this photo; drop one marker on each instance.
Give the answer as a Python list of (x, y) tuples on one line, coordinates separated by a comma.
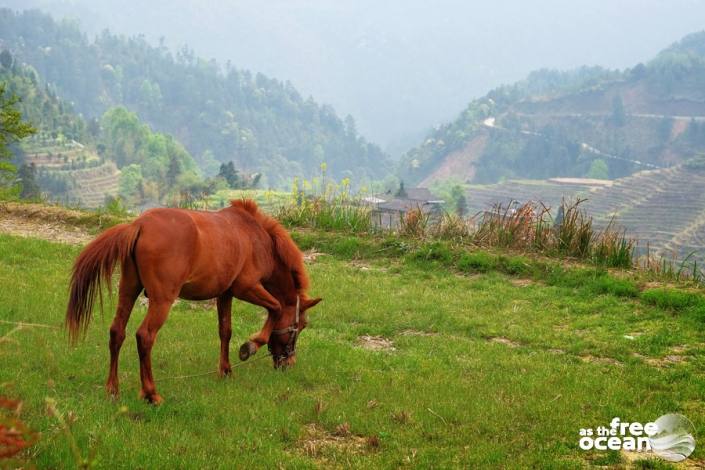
[(281, 283)]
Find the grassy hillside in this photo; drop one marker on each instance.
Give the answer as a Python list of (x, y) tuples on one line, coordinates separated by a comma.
[(217, 112), (407, 362), (560, 123)]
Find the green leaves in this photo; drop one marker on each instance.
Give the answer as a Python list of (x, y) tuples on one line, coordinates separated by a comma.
[(12, 129)]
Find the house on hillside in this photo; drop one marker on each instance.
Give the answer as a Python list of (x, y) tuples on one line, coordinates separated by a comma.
[(388, 209)]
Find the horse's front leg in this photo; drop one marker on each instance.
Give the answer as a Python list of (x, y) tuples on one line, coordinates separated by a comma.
[(258, 295), (225, 303)]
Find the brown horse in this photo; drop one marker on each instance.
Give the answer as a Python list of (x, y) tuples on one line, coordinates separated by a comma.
[(236, 252)]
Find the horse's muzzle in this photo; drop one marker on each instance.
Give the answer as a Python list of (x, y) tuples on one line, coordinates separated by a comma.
[(284, 362)]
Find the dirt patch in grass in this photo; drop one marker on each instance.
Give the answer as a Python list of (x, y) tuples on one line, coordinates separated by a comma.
[(556, 351), (366, 267), (600, 360), (665, 361), (504, 341), (633, 459), (522, 282), (310, 256), (677, 356), (318, 443), (375, 343)]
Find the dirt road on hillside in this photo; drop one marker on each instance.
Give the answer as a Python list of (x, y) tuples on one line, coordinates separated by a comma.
[(24, 220)]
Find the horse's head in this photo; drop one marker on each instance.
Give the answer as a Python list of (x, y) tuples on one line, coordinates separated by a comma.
[(291, 321)]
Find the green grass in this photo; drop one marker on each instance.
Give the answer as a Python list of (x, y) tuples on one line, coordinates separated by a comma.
[(449, 395)]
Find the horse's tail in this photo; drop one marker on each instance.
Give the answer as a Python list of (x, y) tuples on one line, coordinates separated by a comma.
[(93, 267)]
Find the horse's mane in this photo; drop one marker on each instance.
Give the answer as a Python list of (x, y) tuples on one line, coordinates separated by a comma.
[(284, 246)]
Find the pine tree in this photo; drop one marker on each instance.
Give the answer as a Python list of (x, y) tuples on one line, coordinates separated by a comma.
[(27, 178), (401, 192), (12, 129), (173, 171)]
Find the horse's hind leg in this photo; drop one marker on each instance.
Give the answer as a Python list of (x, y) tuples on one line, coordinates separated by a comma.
[(130, 288), (146, 335)]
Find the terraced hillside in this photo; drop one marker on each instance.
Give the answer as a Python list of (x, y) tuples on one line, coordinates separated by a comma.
[(91, 185), (663, 209), (60, 156), (72, 174)]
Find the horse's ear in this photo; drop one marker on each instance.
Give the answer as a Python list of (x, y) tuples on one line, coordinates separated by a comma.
[(308, 303)]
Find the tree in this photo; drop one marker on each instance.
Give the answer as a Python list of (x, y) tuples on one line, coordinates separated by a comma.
[(131, 185), (619, 116), (401, 192), (230, 174), (459, 200), (6, 59), (12, 129), (350, 127), (255, 180), (173, 171), (599, 170), (27, 178)]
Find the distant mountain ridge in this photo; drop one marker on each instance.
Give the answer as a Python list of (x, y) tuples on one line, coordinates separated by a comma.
[(259, 123), (558, 124)]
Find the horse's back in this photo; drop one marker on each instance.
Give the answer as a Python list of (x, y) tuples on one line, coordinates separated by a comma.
[(197, 253)]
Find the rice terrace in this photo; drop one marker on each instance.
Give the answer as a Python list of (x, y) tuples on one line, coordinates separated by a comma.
[(204, 266)]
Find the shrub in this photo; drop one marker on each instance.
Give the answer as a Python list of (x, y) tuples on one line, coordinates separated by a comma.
[(478, 261), (348, 247), (606, 284), (672, 299), (433, 252), (514, 265)]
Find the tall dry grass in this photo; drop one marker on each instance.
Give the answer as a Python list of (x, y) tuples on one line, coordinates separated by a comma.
[(528, 228)]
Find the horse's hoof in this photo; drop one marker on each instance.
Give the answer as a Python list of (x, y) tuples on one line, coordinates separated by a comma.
[(246, 350), (112, 391), (151, 398), (226, 371)]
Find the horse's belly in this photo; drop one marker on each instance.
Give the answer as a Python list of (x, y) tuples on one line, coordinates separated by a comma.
[(201, 290)]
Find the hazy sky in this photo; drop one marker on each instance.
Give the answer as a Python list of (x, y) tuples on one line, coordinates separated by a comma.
[(400, 66)]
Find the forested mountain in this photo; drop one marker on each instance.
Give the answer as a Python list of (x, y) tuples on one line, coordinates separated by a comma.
[(39, 103), (219, 115), (589, 122), (79, 162)]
